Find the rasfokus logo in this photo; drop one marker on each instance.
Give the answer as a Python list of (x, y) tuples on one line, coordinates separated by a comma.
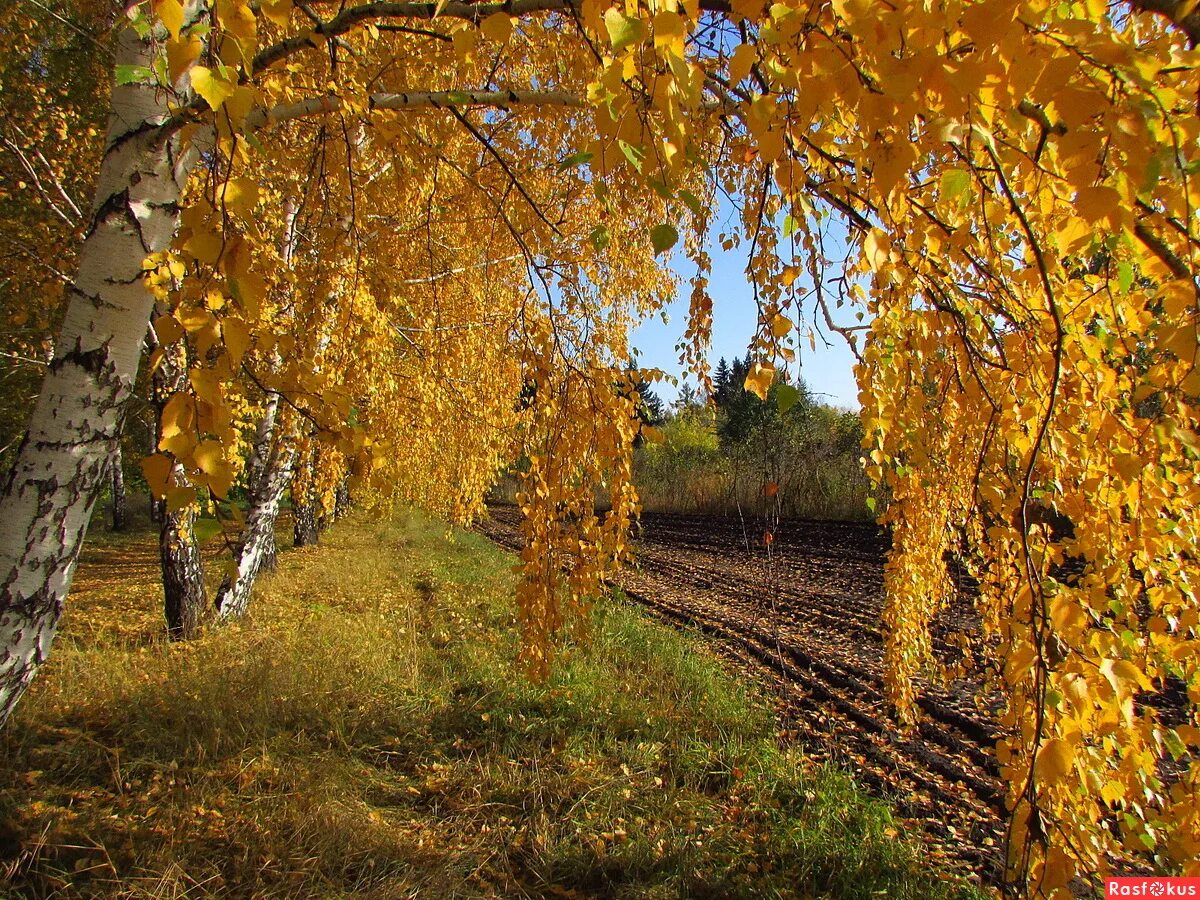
[(1151, 887)]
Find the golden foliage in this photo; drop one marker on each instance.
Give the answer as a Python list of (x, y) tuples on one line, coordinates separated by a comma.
[(461, 211)]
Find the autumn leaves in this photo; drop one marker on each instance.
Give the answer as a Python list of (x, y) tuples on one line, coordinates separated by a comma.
[(423, 232)]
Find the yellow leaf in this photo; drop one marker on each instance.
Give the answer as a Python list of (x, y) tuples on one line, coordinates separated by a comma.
[(170, 12), (177, 415), (211, 86), (1055, 759), (759, 378), (875, 248), (206, 385), (238, 22), (180, 55), (205, 246), (1124, 676), (157, 470), (278, 11), (194, 318), (748, 9), (250, 290), (178, 425), (1112, 793), (740, 64), (780, 325), (1127, 671), (220, 481), (1072, 234), (1096, 203), (239, 196), (239, 104), (208, 457), (180, 498), (497, 27), (1060, 869), (1181, 341), (167, 329), (464, 42), (770, 145), (237, 338), (669, 28)]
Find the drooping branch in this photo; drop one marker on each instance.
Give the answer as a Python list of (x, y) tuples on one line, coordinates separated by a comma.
[(348, 19)]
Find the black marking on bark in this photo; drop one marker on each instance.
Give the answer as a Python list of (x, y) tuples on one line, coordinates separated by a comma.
[(100, 437), (114, 204), (119, 204), (143, 128), (132, 219), (96, 362), (95, 299), (141, 273)]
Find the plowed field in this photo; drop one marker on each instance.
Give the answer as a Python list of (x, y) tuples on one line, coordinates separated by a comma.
[(807, 622)]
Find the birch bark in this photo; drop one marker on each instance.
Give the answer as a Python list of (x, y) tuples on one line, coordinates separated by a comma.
[(47, 501)]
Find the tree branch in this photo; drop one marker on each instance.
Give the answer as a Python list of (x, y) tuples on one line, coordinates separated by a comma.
[(471, 12)]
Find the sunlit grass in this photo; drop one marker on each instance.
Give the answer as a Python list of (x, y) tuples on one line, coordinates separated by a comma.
[(368, 733)]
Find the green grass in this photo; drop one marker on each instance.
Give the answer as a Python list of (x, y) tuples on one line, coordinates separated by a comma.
[(368, 733)]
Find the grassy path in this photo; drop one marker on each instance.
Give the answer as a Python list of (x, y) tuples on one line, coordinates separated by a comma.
[(367, 734)]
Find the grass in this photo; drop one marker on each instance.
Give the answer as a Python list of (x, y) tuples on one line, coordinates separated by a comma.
[(367, 733)]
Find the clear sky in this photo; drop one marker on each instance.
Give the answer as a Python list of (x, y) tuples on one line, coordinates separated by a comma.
[(828, 371)]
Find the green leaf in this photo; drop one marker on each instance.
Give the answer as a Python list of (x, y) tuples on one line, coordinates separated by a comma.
[(790, 226), (953, 182), (786, 396), (622, 30), (127, 74), (1154, 173), (663, 237), (871, 504), (692, 202), (142, 25), (575, 160), (600, 237), (661, 188), (600, 189), (1174, 745), (634, 154), (1125, 276)]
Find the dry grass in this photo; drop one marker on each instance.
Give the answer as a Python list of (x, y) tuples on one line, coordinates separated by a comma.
[(367, 734)]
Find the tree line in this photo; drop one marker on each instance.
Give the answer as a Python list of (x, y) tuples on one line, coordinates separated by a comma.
[(785, 455)]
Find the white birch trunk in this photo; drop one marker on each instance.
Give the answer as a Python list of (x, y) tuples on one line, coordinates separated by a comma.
[(48, 499), (117, 486), (258, 541)]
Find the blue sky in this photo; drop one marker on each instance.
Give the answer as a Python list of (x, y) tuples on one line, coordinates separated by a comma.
[(828, 371)]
